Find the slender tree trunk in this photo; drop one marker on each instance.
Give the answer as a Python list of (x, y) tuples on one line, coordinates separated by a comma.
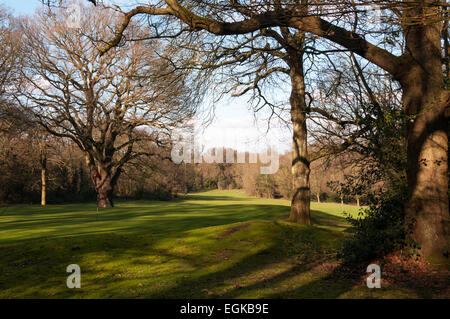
[(43, 160), (357, 201), (43, 185), (318, 197), (300, 205), (426, 105)]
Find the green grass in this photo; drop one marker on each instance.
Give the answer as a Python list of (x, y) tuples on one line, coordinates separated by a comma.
[(217, 244)]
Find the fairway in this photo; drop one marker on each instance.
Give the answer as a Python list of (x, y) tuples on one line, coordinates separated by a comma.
[(199, 210), (216, 244)]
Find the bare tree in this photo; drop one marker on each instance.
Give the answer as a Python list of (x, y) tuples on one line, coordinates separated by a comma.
[(258, 64), (102, 103), (10, 63), (418, 69), (9, 49), (317, 178)]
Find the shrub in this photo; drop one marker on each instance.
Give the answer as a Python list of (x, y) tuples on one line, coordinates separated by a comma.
[(378, 230)]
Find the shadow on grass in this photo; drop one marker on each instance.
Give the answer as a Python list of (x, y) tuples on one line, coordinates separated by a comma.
[(202, 197), (38, 271), (162, 219), (324, 219), (36, 245), (259, 276)]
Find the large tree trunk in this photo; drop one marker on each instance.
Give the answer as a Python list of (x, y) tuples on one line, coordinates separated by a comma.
[(426, 104), (426, 213), (300, 205), (104, 188), (102, 180)]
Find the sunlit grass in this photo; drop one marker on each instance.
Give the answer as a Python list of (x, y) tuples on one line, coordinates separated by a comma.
[(217, 244)]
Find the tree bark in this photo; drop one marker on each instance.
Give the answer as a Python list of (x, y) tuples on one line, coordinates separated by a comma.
[(43, 185), (426, 105), (426, 212), (102, 179), (104, 188), (301, 198), (43, 160)]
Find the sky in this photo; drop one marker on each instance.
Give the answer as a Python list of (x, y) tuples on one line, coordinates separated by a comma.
[(234, 124)]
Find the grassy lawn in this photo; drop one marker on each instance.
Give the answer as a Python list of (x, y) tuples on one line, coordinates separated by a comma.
[(217, 244)]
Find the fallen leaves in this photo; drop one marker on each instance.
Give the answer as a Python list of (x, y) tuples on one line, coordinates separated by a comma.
[(208, 292)]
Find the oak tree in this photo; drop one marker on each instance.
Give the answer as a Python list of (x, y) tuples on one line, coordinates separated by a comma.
[(107, 103)]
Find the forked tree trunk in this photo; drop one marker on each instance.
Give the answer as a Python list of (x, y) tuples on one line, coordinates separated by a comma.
[(300, 205), (426, 106), (102, 180)]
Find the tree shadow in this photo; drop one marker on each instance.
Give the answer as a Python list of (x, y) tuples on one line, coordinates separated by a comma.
[(125, 234), (200, 197), (324, 219)]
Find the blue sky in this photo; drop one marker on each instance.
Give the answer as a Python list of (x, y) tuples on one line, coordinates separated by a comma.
[(234, 124), (21, 6)]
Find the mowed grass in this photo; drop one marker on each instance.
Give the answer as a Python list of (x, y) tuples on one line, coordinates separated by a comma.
[(216, 244)]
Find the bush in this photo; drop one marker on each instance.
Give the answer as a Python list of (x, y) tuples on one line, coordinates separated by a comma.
[(378, 230), (156, 193)]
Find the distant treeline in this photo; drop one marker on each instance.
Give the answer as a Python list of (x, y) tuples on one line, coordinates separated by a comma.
[(154, 178)]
